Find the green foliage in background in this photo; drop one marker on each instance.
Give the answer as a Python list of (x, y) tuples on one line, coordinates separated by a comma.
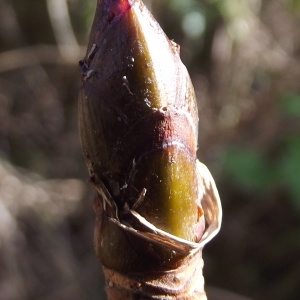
[(248, 169), (254, 172), (290, 104), (288, 169), (295, 6)]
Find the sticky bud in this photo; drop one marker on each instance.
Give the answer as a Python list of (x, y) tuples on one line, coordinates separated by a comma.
[(139, 119)]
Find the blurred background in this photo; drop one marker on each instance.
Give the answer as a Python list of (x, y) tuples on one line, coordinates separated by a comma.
[(244, 60)]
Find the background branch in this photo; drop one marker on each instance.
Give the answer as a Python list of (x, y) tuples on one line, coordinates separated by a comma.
[(62, 28), (38, 54)]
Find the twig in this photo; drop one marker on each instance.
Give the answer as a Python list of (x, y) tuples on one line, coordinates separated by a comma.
[(62, 28)]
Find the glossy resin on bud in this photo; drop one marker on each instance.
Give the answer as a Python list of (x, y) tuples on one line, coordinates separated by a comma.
[(138, 120)]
